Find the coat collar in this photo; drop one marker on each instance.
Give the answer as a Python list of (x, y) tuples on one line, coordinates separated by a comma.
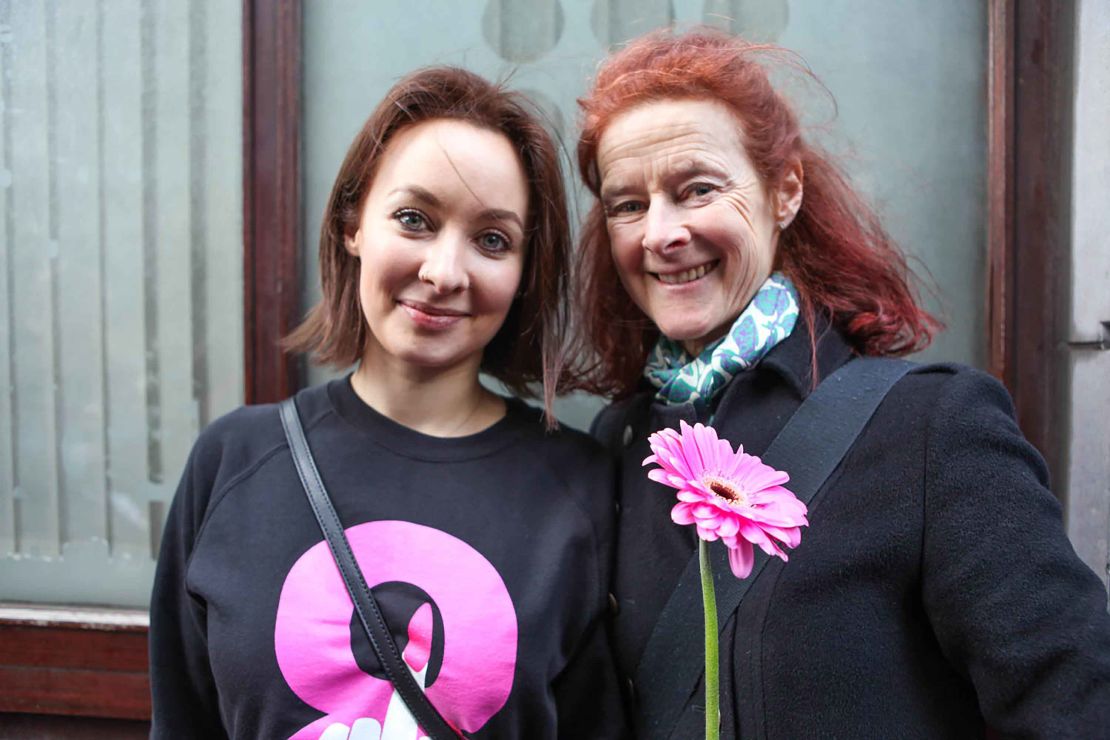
[(792, 360)]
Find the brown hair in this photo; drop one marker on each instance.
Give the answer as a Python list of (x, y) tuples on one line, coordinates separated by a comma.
[(836, 251), (530, 345)]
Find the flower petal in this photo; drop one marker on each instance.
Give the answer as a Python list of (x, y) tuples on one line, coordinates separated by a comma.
[(741, 559), (706, 438), (678, 481), (677, 463), (759, 476), (789, 536), (728, 527), (707, 533), (692, 449), (681, 514), (779, 507), (706, 511), (754, 534), (693, 497), (725, 455), (659, 475)]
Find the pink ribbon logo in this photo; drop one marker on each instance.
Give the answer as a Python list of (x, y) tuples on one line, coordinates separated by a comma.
[(312, 637)]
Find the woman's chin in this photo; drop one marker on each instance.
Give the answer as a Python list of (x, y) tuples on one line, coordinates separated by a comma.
[(690, 334)]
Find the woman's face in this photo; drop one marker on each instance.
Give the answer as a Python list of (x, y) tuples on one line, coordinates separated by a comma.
[(692, 228), (441, 243)]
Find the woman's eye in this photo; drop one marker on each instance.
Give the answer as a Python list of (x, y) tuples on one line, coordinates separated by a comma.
[(699, 190), (492, 241), (625, 208), (411, 220)]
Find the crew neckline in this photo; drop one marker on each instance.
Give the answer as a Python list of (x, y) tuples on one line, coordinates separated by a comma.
[(408, 442)]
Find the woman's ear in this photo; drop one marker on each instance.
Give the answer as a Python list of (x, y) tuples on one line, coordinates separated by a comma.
[(350, 243), (788, 195)]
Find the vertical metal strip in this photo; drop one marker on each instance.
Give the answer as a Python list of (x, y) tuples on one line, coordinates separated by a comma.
[(149, 76), (32, 302), (102, 269), (9, 459), (198, 197), (54, 252), (1000, 191), (126, 172)]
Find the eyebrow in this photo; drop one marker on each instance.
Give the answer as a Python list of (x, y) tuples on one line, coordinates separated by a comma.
[(685, 171), (694, 168), (429, 198), (608, 194), (419, 193)]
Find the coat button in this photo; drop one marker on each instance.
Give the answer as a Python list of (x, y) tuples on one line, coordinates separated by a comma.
[(627, 435), (614, 606)]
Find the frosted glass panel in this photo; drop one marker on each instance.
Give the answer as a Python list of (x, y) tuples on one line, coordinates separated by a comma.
[(121, 288), (909, 79)]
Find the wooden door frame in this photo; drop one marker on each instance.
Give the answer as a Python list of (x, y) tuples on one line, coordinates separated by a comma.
[(1031, 88), (93, 664), (272, 209)]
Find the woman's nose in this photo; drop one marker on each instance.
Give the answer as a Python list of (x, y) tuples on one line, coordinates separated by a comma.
[(664, 227), (444, 265)]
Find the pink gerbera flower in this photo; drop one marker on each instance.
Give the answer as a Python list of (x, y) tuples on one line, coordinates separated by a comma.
[(726, 495)]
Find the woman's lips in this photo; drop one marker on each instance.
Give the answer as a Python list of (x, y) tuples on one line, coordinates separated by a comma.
[(687, 276), (431, 317)]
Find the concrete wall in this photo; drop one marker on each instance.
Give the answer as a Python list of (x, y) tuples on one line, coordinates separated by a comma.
[(1088, 470)]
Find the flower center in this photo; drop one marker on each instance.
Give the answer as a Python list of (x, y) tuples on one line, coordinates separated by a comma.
[(727, 490)]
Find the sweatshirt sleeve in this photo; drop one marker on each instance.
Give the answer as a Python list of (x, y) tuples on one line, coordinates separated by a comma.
[(1010, 601), (183, 692), (587, 693)]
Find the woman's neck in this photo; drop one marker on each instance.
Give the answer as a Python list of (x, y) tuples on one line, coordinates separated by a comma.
[(440, 402)]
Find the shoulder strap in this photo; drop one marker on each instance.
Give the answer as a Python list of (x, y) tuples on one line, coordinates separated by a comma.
[(809, 448), (365, 605)]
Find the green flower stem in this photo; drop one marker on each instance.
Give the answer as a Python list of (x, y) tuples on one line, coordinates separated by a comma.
[(712, 689)]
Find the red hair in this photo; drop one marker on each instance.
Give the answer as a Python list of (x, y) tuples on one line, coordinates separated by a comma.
[(841, 259)]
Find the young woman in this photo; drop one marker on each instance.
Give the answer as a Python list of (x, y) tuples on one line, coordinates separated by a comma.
[(483, 536)]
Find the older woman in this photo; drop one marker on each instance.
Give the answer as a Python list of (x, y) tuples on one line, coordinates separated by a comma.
[(728, 268)]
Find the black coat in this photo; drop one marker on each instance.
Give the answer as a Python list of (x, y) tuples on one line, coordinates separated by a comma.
[(934, 591)]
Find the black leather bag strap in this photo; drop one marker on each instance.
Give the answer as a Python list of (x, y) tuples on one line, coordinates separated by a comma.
[(365, 605), (809, 448)]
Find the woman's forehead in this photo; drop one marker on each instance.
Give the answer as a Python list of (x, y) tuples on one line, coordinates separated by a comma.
[(671, 136), (456, 161)]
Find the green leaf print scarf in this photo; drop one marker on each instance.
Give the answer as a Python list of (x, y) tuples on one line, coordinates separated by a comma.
[(768, 319)]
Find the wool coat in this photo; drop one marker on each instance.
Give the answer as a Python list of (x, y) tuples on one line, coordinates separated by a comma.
[(934, 592)]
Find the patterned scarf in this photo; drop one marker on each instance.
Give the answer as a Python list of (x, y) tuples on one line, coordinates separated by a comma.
[(768, 319)]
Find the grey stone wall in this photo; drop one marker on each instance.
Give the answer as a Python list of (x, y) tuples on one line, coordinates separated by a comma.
[(1088, 466)]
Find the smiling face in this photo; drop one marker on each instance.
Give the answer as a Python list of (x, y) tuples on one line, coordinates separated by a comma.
[(692, 228), (440, 244)]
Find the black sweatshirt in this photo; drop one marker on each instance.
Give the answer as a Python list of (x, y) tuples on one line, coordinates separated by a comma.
[(489, 555)]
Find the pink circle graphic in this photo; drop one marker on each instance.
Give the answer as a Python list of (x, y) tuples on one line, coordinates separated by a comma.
[(312, 636)]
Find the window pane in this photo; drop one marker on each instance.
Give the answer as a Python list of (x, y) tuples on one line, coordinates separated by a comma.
[(121, 289), (909, 81)]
